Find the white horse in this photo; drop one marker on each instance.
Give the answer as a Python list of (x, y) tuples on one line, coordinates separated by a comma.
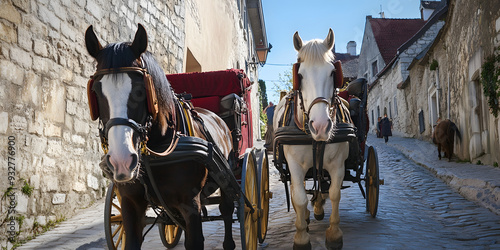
[(316, 73)]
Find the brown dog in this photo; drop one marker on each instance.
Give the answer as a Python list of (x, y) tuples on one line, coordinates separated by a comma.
[(444, 136)]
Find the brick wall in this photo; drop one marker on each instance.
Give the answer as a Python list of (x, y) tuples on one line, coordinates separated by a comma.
[(44, 67)]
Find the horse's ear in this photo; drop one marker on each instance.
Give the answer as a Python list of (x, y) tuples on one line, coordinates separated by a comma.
[(329, 40), (92, 43), (140, 43), (297, 41)]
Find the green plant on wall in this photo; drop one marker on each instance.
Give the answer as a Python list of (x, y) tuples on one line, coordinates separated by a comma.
[(490, 73), (434, 65)]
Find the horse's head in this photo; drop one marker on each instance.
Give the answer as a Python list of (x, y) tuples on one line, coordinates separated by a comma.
[(122, 96), (316, 84)]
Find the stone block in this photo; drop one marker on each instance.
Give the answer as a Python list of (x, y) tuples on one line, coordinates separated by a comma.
[(49, 17), (38, 145), (4, 122), (41, 65), (9, 12), (51, 130), (92, 182), (55, 107), (30, 93), (78, 139), (79, 187), (54, 148), (58, 198), (41, 220), (19, 123), (59, 10), (36, 26), (21, 57), (71, 107), (36, 125), (50, 183), (41, 48), (11, 72), (94, 9), (8, 32), (35, 181), (69, 32), (22, 203), (81, 126), (22, 4)]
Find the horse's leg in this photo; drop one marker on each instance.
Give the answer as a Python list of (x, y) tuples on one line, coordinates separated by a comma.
[(336, 170), (299, 201), (439, 150), (226, 208), (319, 212), (133, 207), (191, 212)]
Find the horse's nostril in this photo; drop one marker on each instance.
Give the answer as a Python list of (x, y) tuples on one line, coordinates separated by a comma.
[(108, 162), (134, 161), (311, 127), (330, 124)]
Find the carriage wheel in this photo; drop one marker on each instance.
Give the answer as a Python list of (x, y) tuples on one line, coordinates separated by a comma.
[(248, 220), (113, 227), (372, 182), (169, 234), (264, 193)]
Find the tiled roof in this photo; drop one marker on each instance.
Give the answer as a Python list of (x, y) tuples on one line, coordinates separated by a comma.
[(392, 33), (349, 64), (432, 4)]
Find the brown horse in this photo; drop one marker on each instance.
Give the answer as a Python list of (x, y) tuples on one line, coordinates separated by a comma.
[(444, 137), (136, 106)]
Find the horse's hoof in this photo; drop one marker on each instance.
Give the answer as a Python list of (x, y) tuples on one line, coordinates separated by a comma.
[(319, 216), (302, 247), (335, 245)]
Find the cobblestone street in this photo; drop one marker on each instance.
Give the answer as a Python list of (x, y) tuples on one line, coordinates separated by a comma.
[(416, 211)]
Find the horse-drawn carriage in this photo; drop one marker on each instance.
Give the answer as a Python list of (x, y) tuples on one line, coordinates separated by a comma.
[(320, 136), (174, 154)]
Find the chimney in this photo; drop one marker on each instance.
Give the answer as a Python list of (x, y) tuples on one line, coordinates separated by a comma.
[(351, 48)]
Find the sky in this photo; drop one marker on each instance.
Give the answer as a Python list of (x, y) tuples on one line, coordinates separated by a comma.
[(312, 19)]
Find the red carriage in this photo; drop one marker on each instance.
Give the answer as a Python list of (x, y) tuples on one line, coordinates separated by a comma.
[(226, 93)]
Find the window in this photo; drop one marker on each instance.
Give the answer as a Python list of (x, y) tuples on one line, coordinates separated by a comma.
[(378, 111), (395, 107), (373, 118), (390, 110), (374, 68), (421, 121)]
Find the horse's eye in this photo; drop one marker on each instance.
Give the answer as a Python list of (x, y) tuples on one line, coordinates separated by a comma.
[(333, 72), (300, 76)]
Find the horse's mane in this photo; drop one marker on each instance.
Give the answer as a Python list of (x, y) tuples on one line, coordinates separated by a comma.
[(315, 51), (116, 55)]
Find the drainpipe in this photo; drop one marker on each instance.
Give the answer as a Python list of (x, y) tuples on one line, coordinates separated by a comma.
[(438, 93), (448, 98)]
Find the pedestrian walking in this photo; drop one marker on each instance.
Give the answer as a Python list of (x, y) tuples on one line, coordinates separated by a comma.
[(269, 111), (379, 133), (386, 128)]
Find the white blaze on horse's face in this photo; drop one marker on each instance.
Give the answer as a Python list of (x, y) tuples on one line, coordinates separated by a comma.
[(122, 155), (316, 69), (317, 81)]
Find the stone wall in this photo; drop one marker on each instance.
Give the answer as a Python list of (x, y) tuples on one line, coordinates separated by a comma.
[(44, 68), (472, 31), (403, 105)]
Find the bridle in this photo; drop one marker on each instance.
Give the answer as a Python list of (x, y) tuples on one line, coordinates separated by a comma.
[(331, 104), (152, 102)]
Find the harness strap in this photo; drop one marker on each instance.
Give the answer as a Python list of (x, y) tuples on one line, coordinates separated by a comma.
[(158, 194)]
